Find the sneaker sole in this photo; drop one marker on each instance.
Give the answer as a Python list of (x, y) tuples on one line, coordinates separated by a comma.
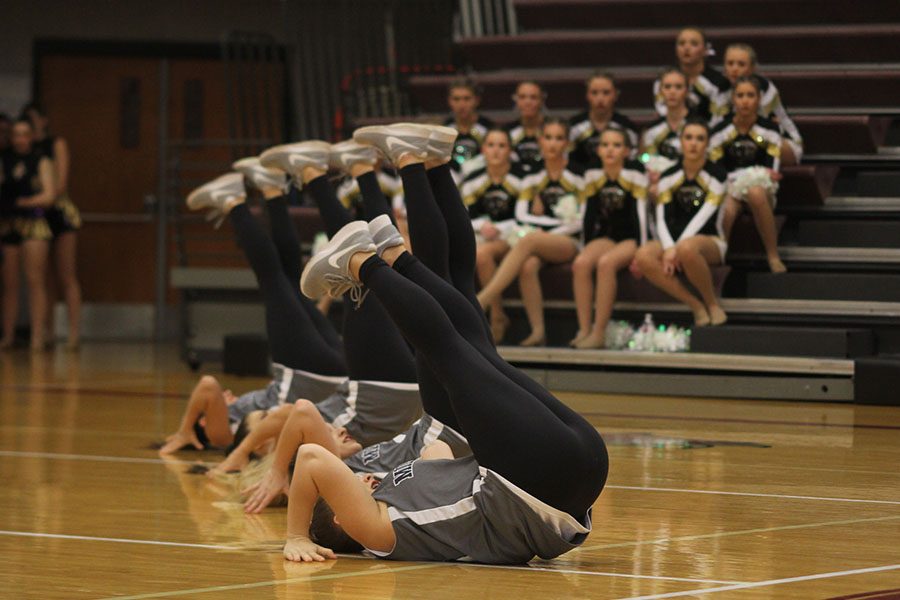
[(326, 252)]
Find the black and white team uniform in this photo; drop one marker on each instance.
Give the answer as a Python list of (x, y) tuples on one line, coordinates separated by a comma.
[(660, 139), (708, 97), (372, 411), (526, 151), (747, 156), (457, 510), (380, 459), (584, 139), (287, 386), (772, 108), (538, 189), (350, 196), (490, 201), (616, 208), (468, 144), (63, 216), (689, 207), (20, 178)]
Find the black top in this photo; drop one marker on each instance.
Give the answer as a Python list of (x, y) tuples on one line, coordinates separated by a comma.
[(468, 145), (585, 138), (20, 179), (614, 207), (526, 149)]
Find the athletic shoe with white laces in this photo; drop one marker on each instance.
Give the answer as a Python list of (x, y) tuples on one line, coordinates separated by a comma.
[(346, 154), (384, 234), (218, 196), (328, 272), (259, 175), (395, 140), (292, 158)]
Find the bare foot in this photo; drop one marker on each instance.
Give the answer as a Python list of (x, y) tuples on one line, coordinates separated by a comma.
[(573, 343), (305, 550), (499, 325), (592, 341), (537, 338), (717, 316), (179, 440), (776, 266), (701, 317)]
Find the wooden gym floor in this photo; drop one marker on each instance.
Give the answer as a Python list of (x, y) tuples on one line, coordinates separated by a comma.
[(706, 498)]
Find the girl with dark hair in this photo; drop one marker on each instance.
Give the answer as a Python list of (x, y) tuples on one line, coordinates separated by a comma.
[(707, 87), (64, 220), (26, 193), (601, 94), (549, 211)]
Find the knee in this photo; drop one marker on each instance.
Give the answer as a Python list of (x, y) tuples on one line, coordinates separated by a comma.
[(304, 407), (483, 258), (606, 265), (531, 267), (645, 258), (581, 265), (208, 382), (685, 251)]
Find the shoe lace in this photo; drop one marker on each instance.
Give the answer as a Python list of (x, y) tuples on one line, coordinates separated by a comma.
[(338, 284)]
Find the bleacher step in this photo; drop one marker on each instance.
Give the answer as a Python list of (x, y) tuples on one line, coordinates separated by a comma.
[(783, 341), (825, 286), (851, 234), (878, 183)]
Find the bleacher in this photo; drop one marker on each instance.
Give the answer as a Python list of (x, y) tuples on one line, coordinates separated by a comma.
[(803, 334)]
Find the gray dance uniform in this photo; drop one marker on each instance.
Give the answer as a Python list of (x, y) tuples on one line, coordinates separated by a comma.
[(458, 510), (287, 386), (372, 411), (379, 459)]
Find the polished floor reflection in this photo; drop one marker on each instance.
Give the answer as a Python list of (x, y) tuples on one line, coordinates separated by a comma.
[(732, 499)]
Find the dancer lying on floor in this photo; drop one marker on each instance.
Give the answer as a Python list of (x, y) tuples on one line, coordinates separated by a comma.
[(537, 466)]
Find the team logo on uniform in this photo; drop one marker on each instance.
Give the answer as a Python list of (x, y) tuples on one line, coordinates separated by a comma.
[(371, 453), (18, 171), (612, 199), (690, 196), (497, 204), (670, 148), (529, 151), (742, 152), (550, 197), (403, 472), (465, 149)]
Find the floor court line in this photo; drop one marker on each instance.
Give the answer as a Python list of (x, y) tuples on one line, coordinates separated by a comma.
[(704, 536), (97, 458), (770, 582), (273, 582), (461, 564), (751, 494)]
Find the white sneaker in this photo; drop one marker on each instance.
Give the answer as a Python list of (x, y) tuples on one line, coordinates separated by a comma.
[(259, 175), (328, 272), (219, 196), (440, 140), (384, 234), (346, 154), (292, 158), (395, 140)]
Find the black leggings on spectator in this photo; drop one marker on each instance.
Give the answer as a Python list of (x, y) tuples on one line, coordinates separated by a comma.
[(294, 340), (533, 440), (287, 243), (374, 349)]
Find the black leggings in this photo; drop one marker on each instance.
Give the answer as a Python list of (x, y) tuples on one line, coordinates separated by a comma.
[(287, 243), (533, 440), (294, 339), (374, 349)]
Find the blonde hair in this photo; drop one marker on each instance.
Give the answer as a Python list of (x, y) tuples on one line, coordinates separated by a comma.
[(746, 48)]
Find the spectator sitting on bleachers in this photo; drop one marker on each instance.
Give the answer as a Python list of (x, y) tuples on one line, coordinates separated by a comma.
[(523, 132), (748, 147), (688, 225), (708, 88), (601, 93), (463, 98), (741, 61), (549, 212), (490, 194), (661, 140), (615, 223)]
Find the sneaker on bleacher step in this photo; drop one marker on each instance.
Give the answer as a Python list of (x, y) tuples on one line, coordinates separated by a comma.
[(384, 234), (293, 158), (346, 154), (258, 175), (218, 196), (328, 272), (395, 141)]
